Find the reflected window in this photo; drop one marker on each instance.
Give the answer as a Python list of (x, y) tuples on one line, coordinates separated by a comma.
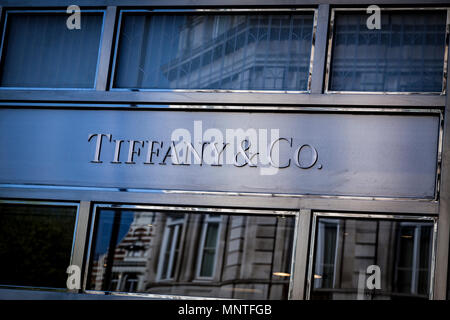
[(39, 51), (327, 252), (228, 51), (35, 244), (192, 254), (170, 247), (345, 248), (405, 55), (209, 245), (413, 256)]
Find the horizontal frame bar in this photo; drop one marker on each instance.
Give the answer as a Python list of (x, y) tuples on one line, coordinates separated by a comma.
[(237, 3), (204, 192), (425, 207), (191, 209), (225, 98), (373, 216)]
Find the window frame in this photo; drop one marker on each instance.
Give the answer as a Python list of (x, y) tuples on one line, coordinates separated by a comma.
[(96, 207), (178, 225), (415, 269), (201, 250), (115, 50), (4, 28), (321, 255), (49, 203), (368, 216), (329, 51)]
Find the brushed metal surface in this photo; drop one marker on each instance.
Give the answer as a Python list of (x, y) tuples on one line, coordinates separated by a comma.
[(358, 154)]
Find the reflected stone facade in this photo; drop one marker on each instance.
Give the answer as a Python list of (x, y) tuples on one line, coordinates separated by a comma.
[(200, 255), (345, 248)]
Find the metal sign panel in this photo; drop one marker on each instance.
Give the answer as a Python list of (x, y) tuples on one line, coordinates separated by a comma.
[(338, 154)]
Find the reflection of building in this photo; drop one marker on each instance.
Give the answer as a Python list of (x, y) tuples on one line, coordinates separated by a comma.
[(130, 257), (201, 255), (387, 59), (237, 52), (345, 248)]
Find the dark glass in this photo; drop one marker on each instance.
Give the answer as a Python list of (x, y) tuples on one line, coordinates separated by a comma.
[(209, 250), (39, 50), (405, 55), (210, 51), (345, 248), (35, 244), (237, 256)]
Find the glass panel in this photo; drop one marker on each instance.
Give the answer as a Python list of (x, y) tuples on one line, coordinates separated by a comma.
[(41, 52), (209, 250), (405, 55), (345, 250), (195, 51), (252, 261), (35, 244)]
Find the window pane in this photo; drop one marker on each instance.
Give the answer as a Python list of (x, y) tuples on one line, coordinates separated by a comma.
[(405, 55), (207, 267), (251, 261), (209, 250), (345, 248), (40, 51), (211, 235), (35, 244), (194, 51)]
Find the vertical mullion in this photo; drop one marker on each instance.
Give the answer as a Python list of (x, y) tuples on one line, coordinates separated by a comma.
[(300, 257), (81, 233), (443, 239), (106, 48), (113, 242), (173, 248), (416, 259), (320, 49)]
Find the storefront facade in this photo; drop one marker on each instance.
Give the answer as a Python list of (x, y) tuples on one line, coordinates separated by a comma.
[(224, 150)]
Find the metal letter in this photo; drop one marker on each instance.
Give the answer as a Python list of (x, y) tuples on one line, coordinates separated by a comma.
[(270, 153), (132, 152), (175, 155), (150, 152), (313, 160), (217, 154), (197, 157), (168, 154), (98, 147), (117, 151), (242, 151)]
